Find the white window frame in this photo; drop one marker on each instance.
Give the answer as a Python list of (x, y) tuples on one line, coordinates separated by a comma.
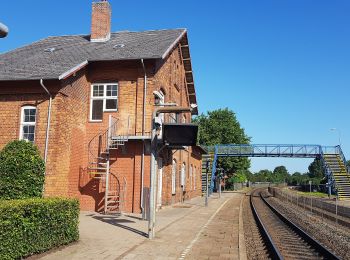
[(22, 124), (194, 177), (173, 177), (103, 98), (183, 176), (191, 177)]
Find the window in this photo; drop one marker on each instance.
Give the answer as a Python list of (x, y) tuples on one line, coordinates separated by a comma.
[(172, 118), (173, 177), (28, 120), (104, 98), (194, 178), (191, 176), (183, 176)]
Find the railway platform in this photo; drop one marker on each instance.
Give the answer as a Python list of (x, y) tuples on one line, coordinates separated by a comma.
[(183, 231)]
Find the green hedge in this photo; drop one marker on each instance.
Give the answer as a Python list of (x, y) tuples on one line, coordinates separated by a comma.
[(35, 225), (21, 171)]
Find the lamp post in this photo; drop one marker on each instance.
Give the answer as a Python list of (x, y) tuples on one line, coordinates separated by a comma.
[(339, 134), (154, 155), (3, 30)]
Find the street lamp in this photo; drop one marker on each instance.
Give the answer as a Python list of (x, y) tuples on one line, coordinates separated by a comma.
[(339, 134), (154, 153), (3, 30)]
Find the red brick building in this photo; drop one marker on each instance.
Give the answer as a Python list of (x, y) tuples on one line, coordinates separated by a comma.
[(86, 101)]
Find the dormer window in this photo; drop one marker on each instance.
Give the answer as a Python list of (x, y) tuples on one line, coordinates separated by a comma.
[(104, 98)]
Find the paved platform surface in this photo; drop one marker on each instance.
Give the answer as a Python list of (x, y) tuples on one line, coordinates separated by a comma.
[(184, 231)]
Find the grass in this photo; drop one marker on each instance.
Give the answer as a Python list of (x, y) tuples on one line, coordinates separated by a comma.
[(313, 194)]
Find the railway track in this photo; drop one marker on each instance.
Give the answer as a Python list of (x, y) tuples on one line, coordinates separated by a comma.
[(284, 239)]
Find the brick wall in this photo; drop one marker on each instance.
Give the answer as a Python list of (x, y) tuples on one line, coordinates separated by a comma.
[(71, 130)]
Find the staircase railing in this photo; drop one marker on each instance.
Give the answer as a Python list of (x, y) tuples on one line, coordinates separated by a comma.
[(101, 141), (326, 167), (342, 156)]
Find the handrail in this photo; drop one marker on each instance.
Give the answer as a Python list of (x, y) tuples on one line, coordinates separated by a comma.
[(100, 142), (267, 150), (342, 156)]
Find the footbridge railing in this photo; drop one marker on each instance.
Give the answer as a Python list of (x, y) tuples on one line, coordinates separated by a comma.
[(272, 150), (268, 150)]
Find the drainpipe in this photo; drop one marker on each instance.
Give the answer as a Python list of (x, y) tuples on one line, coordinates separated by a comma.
[(48, 120), (143, 133)]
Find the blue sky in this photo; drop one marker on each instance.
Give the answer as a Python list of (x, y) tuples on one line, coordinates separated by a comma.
[(282, 66)]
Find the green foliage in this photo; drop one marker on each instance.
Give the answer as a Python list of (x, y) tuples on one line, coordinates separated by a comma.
[(316, 169), (21, 171), (35, 225), (238, 177), (348, 163), (222, 127), (279, 175), (261, 176)]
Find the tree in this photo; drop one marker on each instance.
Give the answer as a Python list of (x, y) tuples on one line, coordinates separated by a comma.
[(280, 174), (348, 163), (262, 176), (298, 178), (222, 127), (316, 169)]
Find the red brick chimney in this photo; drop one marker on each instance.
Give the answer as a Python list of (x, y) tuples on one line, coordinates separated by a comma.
[(101, 21)]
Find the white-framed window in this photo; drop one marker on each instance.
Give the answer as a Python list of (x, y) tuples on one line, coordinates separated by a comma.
[(173, 177), (194, 178), (104, 98), (183, 176), (28, 120), (191, 177)]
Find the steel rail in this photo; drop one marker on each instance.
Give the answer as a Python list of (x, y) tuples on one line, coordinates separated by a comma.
[(323, 251), (317, 245), (273, 249)]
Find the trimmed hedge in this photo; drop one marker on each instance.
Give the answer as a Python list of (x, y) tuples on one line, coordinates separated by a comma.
[(21, 171), (35, 225)]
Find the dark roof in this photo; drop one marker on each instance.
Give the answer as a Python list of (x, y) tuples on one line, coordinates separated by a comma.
[(36, 61)]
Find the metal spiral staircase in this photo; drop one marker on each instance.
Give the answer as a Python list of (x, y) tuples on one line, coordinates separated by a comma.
[(100, 155)]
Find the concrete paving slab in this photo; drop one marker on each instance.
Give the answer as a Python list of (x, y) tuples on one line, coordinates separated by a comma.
[(189, 230)]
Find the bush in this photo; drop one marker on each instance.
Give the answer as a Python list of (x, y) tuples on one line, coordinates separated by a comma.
[(21, 171), (35, 225)]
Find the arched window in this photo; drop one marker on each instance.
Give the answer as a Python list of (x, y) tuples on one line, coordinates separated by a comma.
[(183, 176), (191, 177), (173, 177), (194, 178), (28, 121)]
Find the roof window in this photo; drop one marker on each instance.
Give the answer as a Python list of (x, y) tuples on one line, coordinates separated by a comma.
[(117, 46), (51, 49)]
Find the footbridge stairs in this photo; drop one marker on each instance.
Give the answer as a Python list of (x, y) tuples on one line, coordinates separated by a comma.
[(332, 158)]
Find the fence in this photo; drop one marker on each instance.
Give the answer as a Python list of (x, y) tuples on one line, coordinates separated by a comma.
[(330, 210)]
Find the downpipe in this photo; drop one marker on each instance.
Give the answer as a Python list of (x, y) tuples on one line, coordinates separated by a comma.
[(143, 143), (48, 121)]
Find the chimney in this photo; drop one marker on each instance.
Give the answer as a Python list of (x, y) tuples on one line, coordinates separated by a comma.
[(101, 21)]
